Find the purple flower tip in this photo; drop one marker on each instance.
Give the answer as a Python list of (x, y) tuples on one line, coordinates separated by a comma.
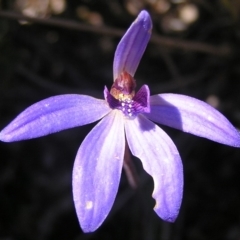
[(145, 18)]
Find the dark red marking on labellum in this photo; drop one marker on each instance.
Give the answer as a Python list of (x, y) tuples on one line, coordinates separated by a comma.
[(123, 87), (122, 96)]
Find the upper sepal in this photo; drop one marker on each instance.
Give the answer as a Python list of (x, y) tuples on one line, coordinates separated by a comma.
[(132, 45)]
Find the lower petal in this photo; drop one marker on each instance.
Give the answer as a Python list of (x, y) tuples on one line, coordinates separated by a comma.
[(97, 170), (160, 159)]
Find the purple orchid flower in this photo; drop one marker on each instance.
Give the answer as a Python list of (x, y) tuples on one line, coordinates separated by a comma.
[(126, 118)]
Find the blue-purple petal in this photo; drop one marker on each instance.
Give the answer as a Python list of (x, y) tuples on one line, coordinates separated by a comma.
[(160, 159), (192, 116), (54, 114), (141, 100), (97, 170), (132, 45)]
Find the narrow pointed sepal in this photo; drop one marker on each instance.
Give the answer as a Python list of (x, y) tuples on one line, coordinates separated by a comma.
[(161, 160), (132, 45), (54, 114), (97, 170), (192, 116)]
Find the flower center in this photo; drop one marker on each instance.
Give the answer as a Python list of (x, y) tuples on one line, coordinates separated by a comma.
[(127, 107), (122, 96)]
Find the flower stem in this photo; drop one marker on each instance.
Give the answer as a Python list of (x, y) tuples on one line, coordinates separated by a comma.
[(130, 169)]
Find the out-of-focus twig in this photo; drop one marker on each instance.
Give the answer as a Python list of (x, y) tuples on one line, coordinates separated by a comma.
[(129, 168), (172, 43)]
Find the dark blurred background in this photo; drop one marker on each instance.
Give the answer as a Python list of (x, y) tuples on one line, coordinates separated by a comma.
[(194, 51)]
